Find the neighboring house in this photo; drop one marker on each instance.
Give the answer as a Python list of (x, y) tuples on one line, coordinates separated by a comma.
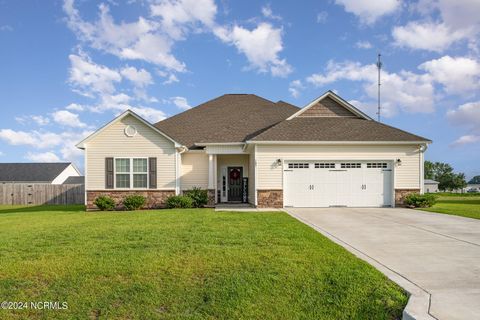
[(75, 180), (431, 186), (244, 148), (51, 173), (473, 186)]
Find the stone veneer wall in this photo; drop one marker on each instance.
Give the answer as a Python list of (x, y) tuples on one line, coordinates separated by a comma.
[(269, 198), (400, 195), (211, 198), (155, 198)]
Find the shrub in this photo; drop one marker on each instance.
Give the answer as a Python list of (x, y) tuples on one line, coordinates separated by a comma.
[(179, 202), (420, 200), (104, 203), (134, 202), (199, 197)]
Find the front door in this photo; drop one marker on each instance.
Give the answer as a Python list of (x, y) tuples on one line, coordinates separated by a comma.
[(235, 178)]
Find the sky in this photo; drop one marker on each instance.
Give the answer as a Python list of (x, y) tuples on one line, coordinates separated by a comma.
[(68, 67)]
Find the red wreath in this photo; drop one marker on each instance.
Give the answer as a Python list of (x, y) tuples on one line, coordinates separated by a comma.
[(235, 174)]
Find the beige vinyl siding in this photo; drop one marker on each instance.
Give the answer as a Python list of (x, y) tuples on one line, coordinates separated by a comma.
[(270, 176), (112, 142), (194, 171)]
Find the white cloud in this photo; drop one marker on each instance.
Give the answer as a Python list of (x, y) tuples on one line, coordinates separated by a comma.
[(37, 139), (268, 13), (39, 120), (140, 40), (363, 45), (295, 87), (180, 102), (178, 16), (368, 11), (42, 157), (403, 90), (457, 74), (467, 139), (261, 46), (75, 107), (68, 119), (91, 78), (427, 36), (172, 78), (139, 77), (322, 17), (466, 115), (151, 114)]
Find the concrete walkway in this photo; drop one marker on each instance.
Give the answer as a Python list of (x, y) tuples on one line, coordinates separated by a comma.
[(435, 257)]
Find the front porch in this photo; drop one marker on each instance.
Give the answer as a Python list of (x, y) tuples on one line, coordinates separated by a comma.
[(229, 178)]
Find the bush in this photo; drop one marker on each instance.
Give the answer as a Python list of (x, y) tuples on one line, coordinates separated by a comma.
[(420, 200), (104, 203), (199, 197), (179, 202), (134, 202)]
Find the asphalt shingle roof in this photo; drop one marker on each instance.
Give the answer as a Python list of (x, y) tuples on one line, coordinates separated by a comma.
[(31, 172), (242, 117), (334, 129), (75, 180), (228, 118)]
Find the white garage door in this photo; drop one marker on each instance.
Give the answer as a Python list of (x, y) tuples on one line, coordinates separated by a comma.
[(338, 183)]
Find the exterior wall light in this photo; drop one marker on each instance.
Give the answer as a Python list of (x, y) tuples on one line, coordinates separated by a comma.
[(278, 162)]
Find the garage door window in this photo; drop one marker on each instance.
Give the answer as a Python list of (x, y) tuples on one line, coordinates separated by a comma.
[(350, 165), (324, 165), (374, 165), (298, 166)]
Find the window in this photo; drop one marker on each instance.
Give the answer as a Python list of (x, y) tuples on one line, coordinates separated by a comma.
[(324, 165), (131, 173), (349, 165), (377, 165), (298, 166)]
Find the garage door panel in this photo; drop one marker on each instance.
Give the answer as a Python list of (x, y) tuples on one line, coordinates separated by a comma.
[(338, 183)]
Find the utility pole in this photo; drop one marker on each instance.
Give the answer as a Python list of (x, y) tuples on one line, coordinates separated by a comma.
[(379, 67)]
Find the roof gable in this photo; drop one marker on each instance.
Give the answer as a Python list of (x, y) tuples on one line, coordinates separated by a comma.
[(81, 144), (329, 105)]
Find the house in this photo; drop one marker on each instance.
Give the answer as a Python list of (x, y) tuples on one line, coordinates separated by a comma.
[(473, 187), (244, 148), (51, 173), (431, 186)]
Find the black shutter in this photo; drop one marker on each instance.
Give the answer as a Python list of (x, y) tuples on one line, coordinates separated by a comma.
[(152, 173), (108, 173)]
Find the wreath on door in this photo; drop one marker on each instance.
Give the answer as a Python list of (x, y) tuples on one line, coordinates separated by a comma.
[(235, 174)]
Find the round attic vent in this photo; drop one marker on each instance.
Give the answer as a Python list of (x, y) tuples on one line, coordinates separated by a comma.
[(130, 131)]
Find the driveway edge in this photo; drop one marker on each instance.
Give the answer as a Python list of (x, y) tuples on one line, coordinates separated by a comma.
[(418, 304)]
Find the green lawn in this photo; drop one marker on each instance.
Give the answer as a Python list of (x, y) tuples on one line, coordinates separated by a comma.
[(183, 264), (465, 205)]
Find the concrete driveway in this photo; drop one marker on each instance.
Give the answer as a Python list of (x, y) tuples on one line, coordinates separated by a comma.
[(434, 256)]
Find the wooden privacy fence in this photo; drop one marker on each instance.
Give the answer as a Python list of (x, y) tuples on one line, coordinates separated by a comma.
[(41, 193)]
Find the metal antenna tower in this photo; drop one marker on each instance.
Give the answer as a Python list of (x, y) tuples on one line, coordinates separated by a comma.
[(379, 67)]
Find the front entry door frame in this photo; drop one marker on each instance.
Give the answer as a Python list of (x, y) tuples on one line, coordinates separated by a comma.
[(240, 179)]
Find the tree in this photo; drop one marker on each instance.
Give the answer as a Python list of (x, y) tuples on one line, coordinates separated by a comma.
[(428, 169), (443, 173), (474, 180)]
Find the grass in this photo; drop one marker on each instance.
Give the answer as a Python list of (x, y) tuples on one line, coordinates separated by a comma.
[(183, 264), (464, 205)]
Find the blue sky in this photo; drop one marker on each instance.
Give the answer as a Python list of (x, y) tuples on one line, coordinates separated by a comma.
[(68, 67)]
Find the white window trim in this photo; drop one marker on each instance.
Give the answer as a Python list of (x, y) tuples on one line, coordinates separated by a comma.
[(131, 173)]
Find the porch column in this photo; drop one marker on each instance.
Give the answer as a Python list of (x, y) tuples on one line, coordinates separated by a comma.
[(212, 161)]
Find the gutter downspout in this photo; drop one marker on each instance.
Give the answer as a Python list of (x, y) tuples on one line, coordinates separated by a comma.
[(422, 150)]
